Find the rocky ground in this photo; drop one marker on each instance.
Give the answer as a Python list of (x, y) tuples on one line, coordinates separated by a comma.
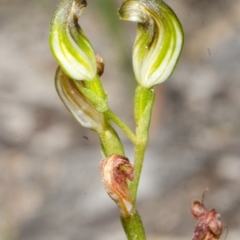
[(50, 185)]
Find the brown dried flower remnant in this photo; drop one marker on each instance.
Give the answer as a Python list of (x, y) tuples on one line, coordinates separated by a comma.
[(115, 169), (209, 226), (100, 65)]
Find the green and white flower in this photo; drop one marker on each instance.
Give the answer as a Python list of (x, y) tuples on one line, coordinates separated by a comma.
[(159, 39), (70, 47)]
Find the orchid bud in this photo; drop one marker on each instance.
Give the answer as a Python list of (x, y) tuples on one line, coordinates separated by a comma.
[(78, 105), (70, 47), (115, 170), (158, 42)]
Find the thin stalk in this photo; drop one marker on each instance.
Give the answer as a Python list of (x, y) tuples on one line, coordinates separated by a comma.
[(96, 86), (121, 124), (133, 227), (139, 152), (143, 102), (110, 142)]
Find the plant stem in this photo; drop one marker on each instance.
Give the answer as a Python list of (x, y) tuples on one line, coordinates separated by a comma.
[(143, 102), (133, 227), (132, 224), (139, 152), (121, 124), (110, 142), (96, 86)]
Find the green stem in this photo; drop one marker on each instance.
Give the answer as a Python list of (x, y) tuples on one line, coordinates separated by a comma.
[(121, 124), (143, 102), (133, 227), (139, 152), (95, 86), (110, 142), (94, 92)]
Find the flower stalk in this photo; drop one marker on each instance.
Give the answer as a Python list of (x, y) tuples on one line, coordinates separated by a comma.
[(115, 169), (143, 102)]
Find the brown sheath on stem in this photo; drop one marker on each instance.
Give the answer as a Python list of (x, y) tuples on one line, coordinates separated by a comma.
[(115, 169)]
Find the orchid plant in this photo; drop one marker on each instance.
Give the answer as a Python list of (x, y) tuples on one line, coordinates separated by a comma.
[(156, 51)]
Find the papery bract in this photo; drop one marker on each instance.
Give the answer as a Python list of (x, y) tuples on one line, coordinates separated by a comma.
[(115, 170)]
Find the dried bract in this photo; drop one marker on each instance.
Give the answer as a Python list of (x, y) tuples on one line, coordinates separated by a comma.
[(100, 65), (115, 169), (209, 226)]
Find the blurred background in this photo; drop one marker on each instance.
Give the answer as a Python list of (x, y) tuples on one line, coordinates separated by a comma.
[(50, 185)]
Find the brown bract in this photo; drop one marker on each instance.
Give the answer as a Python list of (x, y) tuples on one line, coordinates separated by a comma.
[(115, 169), (100, 65), (209, 226)]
